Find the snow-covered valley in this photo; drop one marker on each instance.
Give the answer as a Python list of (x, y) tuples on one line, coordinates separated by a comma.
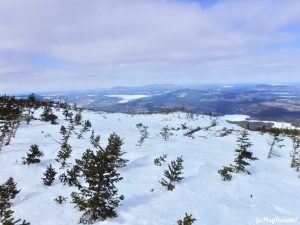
[(272, 190)]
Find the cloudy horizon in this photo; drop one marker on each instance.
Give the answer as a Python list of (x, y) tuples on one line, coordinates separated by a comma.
[(74, 44)]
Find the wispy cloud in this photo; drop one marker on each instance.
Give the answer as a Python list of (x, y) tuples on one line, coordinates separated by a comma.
[(54, 44)]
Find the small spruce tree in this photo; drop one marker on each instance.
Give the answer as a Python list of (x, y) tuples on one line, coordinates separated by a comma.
[(48, 115), (49, 176), (276, 142), (67, 113), (98, 199), (86, 127), (144, 134), (295, 152), (165, 133), (64, 154), (33, 156), (242, 153), (114, 150), (77, 119), (60, 199), (187, 220), (63, 130), (173, 174), (8, 192)]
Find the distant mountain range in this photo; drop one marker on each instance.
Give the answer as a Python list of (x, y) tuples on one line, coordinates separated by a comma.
[(279, 102)]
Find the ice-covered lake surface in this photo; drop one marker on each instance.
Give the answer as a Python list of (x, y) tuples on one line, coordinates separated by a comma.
[(272, 190), (127, 98)]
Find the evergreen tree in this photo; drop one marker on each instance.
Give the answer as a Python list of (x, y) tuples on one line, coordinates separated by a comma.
[(275, 143), (67, 113), (48, 115), (144, 134), (98, 199), (8, 192), (31, 99), (49, 175), (33, 156), (165, 133), (173, 174), (64, 154), (77, 119), (63, 130), (114, 150), (86, 127), (98, 169), (187, 220), (295, 161), (242, 153)]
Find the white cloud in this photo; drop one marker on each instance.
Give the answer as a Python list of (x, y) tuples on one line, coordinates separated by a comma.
[(101, 43)]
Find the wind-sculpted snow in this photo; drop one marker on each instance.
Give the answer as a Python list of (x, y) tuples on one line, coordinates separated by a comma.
[(272, 190)]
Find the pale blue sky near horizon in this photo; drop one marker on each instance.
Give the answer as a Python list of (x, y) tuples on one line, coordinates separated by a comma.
[(67, 45)]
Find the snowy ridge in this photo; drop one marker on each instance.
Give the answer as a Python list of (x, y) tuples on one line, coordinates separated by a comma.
[(274, 186)]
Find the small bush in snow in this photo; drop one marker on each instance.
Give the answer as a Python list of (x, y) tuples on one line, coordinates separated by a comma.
[(60, 199), (225, 172)]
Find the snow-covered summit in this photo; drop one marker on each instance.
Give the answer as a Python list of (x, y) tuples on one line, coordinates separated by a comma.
[(272, 190)]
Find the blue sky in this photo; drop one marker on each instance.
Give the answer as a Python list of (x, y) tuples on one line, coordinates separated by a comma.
[(75, 44)]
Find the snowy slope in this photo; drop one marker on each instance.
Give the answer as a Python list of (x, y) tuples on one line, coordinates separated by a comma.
[(274, 185)]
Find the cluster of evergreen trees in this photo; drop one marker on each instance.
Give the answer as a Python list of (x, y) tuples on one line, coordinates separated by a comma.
[(98, 167), (96, 173), (13, 111)]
